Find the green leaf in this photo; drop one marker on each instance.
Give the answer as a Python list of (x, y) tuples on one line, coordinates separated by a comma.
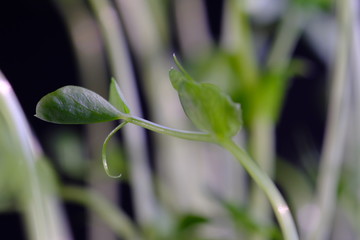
[(321, 4), (243, 221), (75, 105), (207, 107), (116, 97)]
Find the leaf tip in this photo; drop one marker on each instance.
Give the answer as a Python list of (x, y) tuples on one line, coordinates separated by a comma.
[(117, 98), (181, 68), (113, 80)]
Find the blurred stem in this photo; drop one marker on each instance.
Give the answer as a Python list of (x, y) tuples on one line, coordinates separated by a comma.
[(286, 37), (236, 38), (34, 192), (91, 64), (262, 128), (281, 209), (115, 218), (262, 141), (332, 153), (193, 33), (142, 187), (356, 77)]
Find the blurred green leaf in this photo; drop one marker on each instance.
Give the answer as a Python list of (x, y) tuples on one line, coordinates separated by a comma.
[(243, 220), (272, 88), (75, 105), (67, 147), (270, 94), (187, 226), (322, 4), (188, 221), (117, 98), (207, 107)]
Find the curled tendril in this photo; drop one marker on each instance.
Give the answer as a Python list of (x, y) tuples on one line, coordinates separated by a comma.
[(103, 152)]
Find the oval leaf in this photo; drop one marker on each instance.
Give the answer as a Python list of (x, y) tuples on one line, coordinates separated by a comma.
[(75, 105), (207, 107)]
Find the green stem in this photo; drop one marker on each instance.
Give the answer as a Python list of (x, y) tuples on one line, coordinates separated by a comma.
[(189, 135), (278, 203), (262, 145), (281, 209)]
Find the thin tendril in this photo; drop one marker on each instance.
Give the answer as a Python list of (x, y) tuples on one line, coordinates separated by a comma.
[(103, 152)]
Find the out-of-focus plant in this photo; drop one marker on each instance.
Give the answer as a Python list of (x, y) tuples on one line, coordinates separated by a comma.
[(26, 180)]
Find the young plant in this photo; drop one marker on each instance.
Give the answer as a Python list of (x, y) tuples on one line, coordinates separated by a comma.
[(210, 110)]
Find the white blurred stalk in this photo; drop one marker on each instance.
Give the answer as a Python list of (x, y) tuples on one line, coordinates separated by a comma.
[(177, 161), (87, 44), (193, 31), (356, 77), (332, 153), (237, 39), (279, 58), (135, 142), (41, 209), (150, 48), (220, 173), (287, 35), (347, 216)]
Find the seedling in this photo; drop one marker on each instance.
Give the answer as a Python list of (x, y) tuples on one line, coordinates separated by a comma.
[(210, 110)]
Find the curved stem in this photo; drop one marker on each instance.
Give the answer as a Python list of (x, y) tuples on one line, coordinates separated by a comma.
[(115, 218), (103, 151), (287, 36), (278, 203), (189, 135), (332, 155), (262, 150), (22, 162)]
